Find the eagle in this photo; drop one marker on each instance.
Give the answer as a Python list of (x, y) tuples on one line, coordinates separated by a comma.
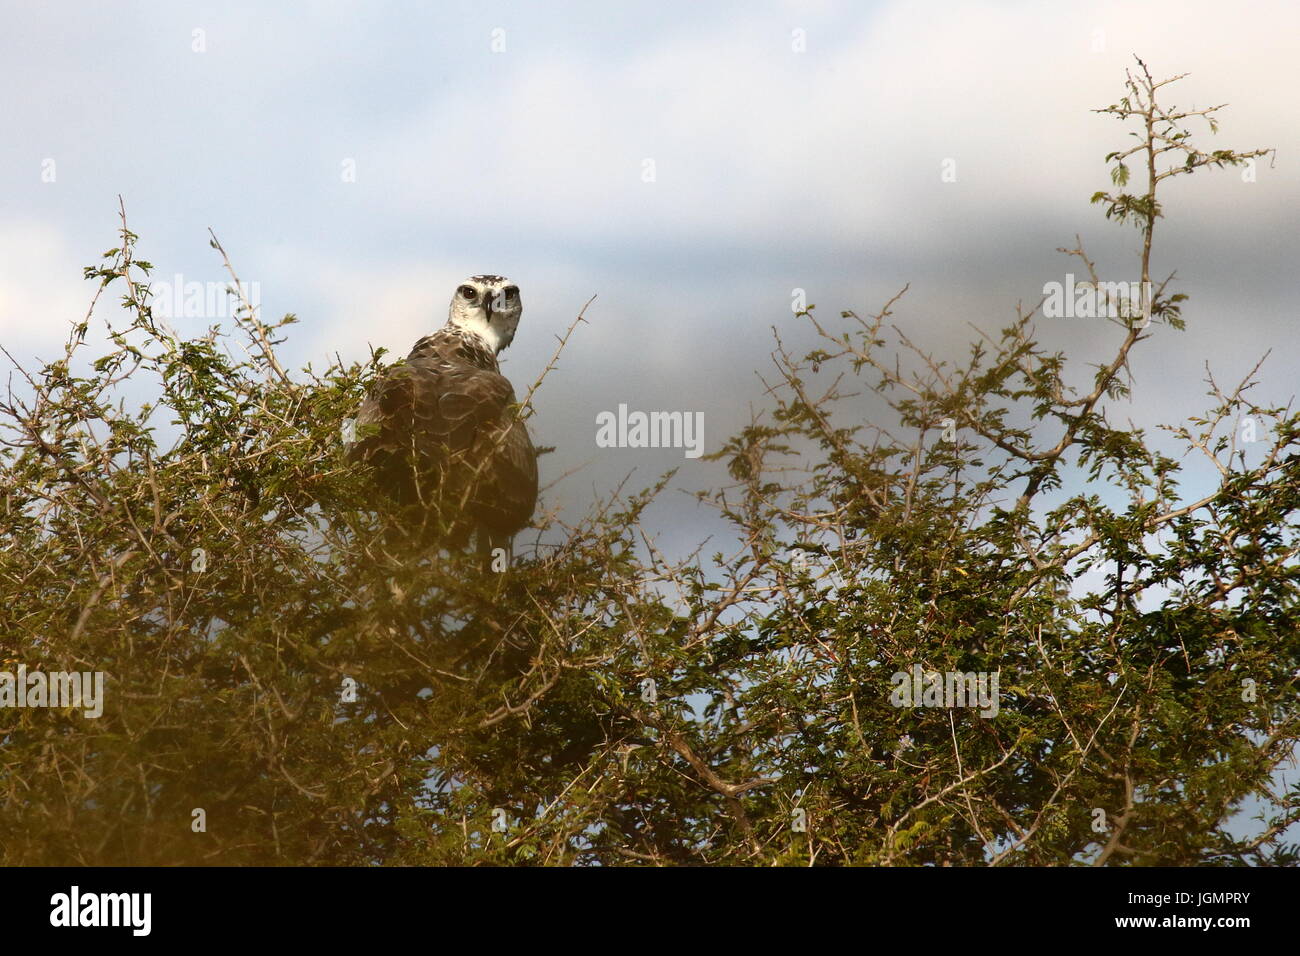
[(442, 430)]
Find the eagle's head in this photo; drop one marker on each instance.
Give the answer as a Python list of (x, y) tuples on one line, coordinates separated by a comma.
[(488, 306)]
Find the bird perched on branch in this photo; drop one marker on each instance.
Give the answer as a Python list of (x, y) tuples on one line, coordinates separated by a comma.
[(442, 429)]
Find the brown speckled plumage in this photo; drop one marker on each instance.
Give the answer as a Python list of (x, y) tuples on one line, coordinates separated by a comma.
[(443, 425)]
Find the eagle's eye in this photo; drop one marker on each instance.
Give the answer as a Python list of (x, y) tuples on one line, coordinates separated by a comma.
[(468, 291), (511, 291)]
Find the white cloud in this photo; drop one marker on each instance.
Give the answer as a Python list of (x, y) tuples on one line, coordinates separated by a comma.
[(41, 289), (845, 141)]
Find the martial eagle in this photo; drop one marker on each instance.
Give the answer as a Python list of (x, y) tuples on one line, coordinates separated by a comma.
[(441, 429)]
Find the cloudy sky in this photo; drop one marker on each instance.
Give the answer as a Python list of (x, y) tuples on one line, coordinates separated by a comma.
[(688, 164)]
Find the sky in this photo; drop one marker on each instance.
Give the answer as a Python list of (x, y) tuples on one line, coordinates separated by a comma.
[(689, 165)]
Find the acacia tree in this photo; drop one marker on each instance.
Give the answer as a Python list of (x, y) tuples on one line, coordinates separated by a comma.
[(289, 681)]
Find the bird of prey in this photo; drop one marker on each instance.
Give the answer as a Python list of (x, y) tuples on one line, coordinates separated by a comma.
[(441, 430)]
